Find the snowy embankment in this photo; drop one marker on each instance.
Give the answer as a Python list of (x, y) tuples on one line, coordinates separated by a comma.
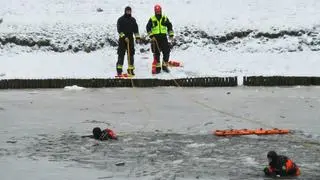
[(49, 39)]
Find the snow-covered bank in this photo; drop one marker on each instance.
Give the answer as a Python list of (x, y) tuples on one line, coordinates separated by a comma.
[(217, 38), (218, 15), (197, 63), (93, 37), (246, 26)]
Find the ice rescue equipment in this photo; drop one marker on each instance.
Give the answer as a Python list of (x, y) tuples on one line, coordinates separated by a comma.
[(238, 132), (175, 63)]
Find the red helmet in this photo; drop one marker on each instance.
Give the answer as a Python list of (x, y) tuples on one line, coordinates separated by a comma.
[(157, 9)]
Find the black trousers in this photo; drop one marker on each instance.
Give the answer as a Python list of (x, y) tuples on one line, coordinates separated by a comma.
[(160, 45), (122, 49)]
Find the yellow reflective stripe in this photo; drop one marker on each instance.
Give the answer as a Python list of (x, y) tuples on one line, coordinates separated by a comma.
[(158, 65), (119, 66), (164, 64), (121, 35), (150, 33), (171, 33), (131, 67)]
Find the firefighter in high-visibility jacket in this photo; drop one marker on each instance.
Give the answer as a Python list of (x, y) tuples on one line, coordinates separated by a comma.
[(158, 28), (280, 166)]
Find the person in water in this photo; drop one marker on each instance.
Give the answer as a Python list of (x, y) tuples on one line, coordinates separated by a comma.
[(280, 166), (102, 135)]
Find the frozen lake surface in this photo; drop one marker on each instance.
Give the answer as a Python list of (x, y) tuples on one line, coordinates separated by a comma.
[(165, 133)]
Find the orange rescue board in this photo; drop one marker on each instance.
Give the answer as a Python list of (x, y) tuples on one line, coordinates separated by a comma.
[(238, 132)]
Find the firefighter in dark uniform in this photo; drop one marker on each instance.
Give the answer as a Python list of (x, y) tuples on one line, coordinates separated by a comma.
[(158, 28), (280, 166), (127, 27)]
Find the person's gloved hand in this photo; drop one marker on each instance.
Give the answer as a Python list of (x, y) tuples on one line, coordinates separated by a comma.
[(171, 38), (152, 38), (138, 40), (266, 171), (122, 35)]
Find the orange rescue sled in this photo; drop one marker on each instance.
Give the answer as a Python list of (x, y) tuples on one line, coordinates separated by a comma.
[(173, 63), (238, 132)]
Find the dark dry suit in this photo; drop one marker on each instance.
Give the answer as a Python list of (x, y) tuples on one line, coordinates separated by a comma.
[(126, 27), (159, 27), (281, 165)]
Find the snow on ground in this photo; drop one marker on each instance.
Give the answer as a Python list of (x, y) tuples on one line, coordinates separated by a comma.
[(101, 64), (219, 15), (72, 27), (74, 88)]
